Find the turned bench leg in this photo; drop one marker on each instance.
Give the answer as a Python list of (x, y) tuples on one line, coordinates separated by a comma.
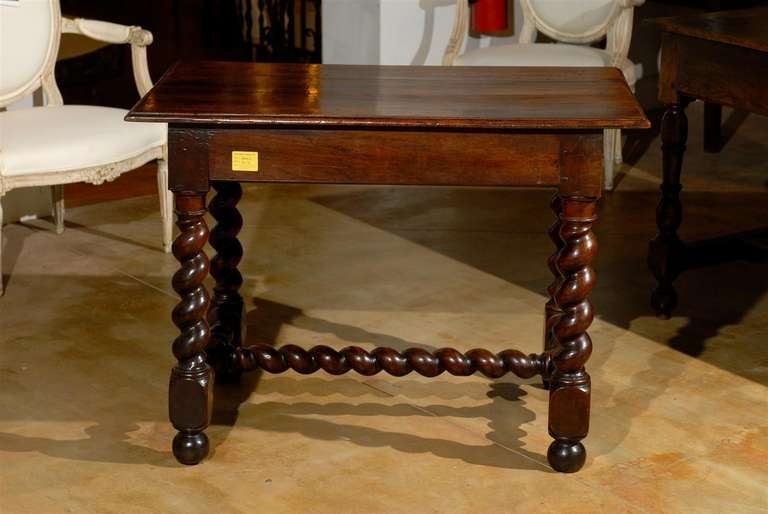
[(190, 395), (227, 308), (569, 392), (665, 251)]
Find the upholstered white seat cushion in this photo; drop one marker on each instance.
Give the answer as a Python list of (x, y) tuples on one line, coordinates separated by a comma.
[(541, 54), (71, 137)]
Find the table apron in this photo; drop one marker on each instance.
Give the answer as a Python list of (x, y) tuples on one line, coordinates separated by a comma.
[(572, 160), (389, 157), (715, 72)]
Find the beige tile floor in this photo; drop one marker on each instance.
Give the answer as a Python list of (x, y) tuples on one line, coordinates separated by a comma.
[(679, 406)]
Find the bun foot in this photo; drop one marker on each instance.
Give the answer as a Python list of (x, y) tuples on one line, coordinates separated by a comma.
[(566, 457), (190, 449)]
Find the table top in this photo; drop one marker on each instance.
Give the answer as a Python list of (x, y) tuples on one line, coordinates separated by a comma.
[(743, 27), (335, 96)]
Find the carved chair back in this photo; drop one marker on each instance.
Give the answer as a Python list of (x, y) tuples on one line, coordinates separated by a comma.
[(566, 21), (30, 31), (571, 21)]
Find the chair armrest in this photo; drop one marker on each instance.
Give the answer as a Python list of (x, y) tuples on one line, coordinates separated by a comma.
[(106, 31), (620, 34), (458, 32), (113, 33)]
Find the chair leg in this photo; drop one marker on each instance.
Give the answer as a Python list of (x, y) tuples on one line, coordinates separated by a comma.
[(618, 158), (2, 289), (57, 207), (166, 203), (609, 148)]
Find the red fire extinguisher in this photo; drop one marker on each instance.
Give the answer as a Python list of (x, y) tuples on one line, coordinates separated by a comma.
[(489, 15)]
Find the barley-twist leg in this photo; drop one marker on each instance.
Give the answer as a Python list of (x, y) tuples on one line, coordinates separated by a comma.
[(551, 310), (226, 314), (569, 394), (189, 398)]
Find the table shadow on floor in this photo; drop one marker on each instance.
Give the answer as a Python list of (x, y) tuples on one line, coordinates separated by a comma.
[(479, 220), (109, 428), (506, 411)]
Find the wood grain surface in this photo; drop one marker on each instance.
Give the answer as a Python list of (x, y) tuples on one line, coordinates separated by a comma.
[(391, 97), (743, 27)]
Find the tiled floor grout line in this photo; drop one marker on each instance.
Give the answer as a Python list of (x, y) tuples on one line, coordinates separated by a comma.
[(544, 467), (137, 279), (114, 268), (457, 425), (69, 248)]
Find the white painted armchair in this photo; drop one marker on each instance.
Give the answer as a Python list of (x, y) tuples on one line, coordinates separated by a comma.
[(58, 144), (574, 24)]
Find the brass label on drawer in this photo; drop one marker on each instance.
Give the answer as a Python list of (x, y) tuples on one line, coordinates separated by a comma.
[(245, 161)]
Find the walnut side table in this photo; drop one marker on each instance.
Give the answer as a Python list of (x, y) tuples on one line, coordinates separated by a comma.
[(721, 58), (243, 122)]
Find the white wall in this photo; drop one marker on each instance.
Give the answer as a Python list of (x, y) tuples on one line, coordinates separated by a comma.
[(393, 31), (351, 31)]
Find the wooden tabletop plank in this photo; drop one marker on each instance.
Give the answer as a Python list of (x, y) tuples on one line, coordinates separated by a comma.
[(391, 96), (742, 27)]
